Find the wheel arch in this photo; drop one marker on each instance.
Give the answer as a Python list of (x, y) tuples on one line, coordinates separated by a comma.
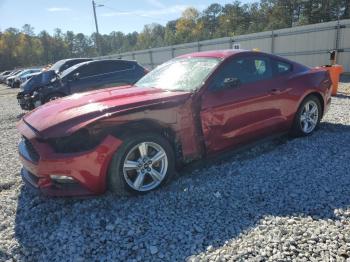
[(316, 94), (153, 126)]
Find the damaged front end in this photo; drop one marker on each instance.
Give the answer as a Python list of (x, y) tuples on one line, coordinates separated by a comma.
[(76, 137), (74, 165), (29, 101)]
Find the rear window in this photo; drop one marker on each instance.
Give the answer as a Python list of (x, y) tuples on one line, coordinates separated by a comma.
[(105, 67)]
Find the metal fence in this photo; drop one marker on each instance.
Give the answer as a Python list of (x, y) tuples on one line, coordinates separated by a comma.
[(308, 45)]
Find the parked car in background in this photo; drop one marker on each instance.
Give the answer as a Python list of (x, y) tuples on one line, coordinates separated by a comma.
[(82, 77), (130, 139), (3, 75), (24, 78), (28, 88), (17, 78), (64, 64), (9, 79), (43, 79)]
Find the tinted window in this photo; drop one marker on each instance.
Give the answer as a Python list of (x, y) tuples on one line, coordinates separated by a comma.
[(104, 67), (68, 72), (123, 65), (89, 69), (113, 66), (246, 70), (71, 63), (282, 67)]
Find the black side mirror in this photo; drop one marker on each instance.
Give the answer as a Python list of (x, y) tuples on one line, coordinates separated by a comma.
[(231, 82)]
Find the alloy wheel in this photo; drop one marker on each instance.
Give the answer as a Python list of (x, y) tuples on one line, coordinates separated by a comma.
[(145, 166), (309, 117)]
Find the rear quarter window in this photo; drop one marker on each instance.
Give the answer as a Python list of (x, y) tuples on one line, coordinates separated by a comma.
[(121, 66), (281, 67)]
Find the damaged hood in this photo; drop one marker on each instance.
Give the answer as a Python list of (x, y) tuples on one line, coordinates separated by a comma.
[(66, 115)]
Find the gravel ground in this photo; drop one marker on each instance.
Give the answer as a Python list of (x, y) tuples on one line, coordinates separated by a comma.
[(282, 200)]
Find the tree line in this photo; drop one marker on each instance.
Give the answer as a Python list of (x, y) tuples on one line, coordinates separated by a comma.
[(22, 47)]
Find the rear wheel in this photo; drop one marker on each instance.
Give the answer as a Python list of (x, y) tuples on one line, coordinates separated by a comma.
[(308, 117), (143, 163)]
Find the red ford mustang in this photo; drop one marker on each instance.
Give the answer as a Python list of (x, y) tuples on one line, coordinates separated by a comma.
[(131, 139)]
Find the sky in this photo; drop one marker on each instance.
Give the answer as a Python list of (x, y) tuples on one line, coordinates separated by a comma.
[(77, 15)]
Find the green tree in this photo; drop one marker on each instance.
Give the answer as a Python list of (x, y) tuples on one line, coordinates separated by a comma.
[(186, 25), (151, 36)]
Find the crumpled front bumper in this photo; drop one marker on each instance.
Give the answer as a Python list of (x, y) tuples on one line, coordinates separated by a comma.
[(87, 169), (28, 101)]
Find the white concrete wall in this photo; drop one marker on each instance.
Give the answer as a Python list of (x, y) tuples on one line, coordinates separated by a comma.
[(308, 45)]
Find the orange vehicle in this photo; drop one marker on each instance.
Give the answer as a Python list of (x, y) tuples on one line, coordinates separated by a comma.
[(334, 71)]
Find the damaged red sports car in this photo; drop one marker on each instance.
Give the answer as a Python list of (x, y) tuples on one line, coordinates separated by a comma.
[(131, 139)]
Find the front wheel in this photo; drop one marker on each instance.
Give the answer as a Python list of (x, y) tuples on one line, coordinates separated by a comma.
[(143, 163), (307, 117)]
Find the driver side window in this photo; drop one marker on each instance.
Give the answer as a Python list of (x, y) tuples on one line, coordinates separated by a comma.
[(244, 70)]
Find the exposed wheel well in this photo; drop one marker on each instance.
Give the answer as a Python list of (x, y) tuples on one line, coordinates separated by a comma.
[(146, 126)]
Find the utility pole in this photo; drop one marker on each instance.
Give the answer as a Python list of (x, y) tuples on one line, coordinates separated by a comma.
[(96, 24)]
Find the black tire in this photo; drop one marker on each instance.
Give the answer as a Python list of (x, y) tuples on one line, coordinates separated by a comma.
[(116, 181), (297, 130)]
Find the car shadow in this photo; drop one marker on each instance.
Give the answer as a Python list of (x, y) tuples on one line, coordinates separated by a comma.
[(342, 95), (207, 206)]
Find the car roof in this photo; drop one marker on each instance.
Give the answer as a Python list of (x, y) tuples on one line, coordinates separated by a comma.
[(113, 60), (76, 58), (104, 60), (223, 54)]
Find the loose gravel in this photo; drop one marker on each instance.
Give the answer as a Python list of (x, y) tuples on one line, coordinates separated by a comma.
[(283, 200)]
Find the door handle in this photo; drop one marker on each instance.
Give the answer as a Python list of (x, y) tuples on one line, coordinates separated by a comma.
[(275, 91)]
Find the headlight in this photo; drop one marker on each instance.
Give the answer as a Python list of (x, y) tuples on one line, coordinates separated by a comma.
[(82, 140)]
